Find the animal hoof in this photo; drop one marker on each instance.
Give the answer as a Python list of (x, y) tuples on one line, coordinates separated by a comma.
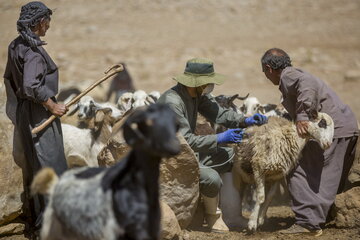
[(261, 221), (252, 226)]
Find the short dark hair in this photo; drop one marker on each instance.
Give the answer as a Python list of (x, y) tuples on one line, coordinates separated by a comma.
[(276, 58)]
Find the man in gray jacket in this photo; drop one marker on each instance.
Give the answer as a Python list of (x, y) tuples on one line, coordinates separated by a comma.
[(314, 183), (187, 98)]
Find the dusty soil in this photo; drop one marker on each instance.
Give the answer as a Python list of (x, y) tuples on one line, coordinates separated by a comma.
[(279, 217), (155, 38)]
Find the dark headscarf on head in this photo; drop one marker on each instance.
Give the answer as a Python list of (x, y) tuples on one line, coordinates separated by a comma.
[(30, 15)]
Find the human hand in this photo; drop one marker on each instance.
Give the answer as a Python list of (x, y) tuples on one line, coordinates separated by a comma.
[(231, 136), (55, 108), (302, 128), (256, 119), (59, 110)]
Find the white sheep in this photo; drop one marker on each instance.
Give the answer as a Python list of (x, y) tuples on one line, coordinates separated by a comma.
[(155, 95), (81, 146), (139, 98), (125, 101), (270, 153)]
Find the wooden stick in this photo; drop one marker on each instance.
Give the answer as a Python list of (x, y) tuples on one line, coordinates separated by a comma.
[(108, 73)]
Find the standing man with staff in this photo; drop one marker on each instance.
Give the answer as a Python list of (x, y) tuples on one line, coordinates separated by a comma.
[(187, 98), (32, 76), (320, 175)]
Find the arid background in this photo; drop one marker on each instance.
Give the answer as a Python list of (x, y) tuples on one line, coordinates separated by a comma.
[(155, 38)]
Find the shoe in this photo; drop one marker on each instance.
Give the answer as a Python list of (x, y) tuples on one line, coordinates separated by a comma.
[(297, 229), (213, 215), (216, 223)]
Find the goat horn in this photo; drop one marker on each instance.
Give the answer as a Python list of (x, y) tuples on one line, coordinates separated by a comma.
[(243, 98), (234, 97)]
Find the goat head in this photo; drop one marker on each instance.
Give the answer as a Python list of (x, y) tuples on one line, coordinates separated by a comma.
[(153, 129)]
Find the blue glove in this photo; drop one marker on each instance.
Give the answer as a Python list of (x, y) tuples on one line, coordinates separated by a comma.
[(256, 119), (231, 136)]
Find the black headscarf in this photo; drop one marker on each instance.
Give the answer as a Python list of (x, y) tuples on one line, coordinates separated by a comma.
[(30, 15)]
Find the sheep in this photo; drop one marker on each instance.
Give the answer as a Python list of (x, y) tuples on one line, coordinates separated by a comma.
[(82, 145), (139, 98), (270, 152), (125, 101), (155, 95), (87, 107), (120, 202)]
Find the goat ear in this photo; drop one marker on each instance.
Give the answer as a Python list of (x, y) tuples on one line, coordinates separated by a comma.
[(322, 123), (149, 100), (242, 108), (99, 116), (261, 109), (313, 114), (73, 110), (106, 110)]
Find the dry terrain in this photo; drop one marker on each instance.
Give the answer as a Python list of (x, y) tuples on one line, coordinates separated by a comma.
[(155, 38)]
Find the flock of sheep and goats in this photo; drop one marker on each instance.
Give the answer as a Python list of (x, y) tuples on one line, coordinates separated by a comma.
[(86, 133)]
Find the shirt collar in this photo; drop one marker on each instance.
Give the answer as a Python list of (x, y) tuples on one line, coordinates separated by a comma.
[(283, 72)]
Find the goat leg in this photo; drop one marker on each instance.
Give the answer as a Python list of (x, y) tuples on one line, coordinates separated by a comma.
[(260, 198), (268, 197)]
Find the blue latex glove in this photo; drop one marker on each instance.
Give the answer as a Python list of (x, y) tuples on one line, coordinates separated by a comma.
[(256, 119), (230, 136)]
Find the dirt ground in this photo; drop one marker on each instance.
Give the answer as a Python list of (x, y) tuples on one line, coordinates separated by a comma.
[(155, 38), (279, 217)]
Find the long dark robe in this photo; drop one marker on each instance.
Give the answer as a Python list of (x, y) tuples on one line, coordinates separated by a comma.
[(32, 77)]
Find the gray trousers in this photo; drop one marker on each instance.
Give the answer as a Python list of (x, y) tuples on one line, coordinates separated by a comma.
[(211, 165), (314, 183)]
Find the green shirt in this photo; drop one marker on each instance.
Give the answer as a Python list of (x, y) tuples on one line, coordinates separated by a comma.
[(187, 108)]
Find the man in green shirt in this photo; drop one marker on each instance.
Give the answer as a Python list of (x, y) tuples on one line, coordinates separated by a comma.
[(187, 98)]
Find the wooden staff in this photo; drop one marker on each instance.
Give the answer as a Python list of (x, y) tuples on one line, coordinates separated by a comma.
[(108, 73)]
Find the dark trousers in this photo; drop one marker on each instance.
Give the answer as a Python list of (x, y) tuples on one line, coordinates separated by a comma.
[(314, 183), (211, 165)]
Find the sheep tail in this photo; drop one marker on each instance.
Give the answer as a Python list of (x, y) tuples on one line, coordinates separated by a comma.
[(44, 182)]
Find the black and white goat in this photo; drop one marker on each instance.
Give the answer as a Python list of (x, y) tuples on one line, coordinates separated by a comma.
[(226, 101), (87, 108), (121, 202)]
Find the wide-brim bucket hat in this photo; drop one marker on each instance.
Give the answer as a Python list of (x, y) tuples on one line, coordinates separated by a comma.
[(198, 72)]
